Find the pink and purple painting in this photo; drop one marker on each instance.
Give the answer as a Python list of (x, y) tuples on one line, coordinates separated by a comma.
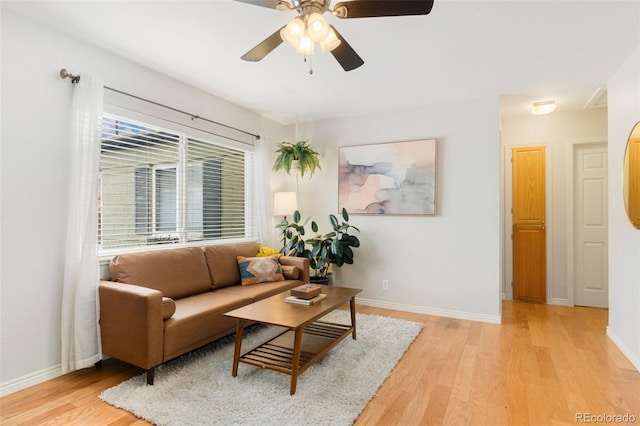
[(388, 178)]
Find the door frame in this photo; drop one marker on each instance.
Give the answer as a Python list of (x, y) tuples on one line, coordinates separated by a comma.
[(571, 147), (507, 228)]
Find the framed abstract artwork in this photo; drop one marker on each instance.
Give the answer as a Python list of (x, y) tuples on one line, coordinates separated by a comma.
[(397, 178)]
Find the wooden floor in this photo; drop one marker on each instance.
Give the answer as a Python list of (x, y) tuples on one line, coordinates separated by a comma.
[(544, 365)]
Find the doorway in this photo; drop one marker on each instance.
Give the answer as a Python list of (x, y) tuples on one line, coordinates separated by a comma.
[(590, 225), (528, 212)]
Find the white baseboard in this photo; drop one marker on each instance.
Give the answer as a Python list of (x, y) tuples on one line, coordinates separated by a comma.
[(30, 380), (493, 319), (552, 301), (633, 358), (559, 302)]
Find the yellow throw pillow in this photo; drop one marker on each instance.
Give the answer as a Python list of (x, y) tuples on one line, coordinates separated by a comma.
[(268, 251)]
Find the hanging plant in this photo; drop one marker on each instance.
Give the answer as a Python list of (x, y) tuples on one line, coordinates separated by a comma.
[(299, 156)]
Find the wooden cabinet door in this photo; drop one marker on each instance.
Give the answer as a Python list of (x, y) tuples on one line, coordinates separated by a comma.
[(528, 185), (529, 235), (529, 260)]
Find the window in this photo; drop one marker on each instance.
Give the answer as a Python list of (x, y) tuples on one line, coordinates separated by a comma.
[(163, 187)]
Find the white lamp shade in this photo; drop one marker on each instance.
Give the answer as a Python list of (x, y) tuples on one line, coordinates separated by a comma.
[(284, 203)]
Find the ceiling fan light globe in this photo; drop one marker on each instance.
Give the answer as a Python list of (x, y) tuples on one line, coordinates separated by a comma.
[(328, 47), (292, 32), (286, 37), (306, 46), (330, 42), (317, 27)]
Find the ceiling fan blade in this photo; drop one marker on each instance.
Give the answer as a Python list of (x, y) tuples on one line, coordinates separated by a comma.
[(271, 4), (375, 8), (345, 55), (263, 48)]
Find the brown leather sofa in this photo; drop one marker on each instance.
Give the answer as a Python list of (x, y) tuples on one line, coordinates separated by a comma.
[(161, 304)]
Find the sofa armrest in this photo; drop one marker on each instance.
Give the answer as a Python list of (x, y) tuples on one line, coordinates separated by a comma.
[(131, 323), (301, 263)]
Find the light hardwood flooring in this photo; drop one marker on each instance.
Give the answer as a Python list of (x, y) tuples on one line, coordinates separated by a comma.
[(544, 365)]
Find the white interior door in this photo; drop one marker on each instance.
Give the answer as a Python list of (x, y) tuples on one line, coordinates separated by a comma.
[(590, 225)]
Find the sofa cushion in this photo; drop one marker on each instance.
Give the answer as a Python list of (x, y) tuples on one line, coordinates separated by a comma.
[(223, 264), (290, 272), (258, 291), (199, 320), (176, 273), (168, 308), (254, 270)]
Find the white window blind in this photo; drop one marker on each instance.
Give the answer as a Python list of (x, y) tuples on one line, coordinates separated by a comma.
[(159, 186)]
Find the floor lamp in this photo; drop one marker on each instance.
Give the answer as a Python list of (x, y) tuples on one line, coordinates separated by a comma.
[(284, 203)]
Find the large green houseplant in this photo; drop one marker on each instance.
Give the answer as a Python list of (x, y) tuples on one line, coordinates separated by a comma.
[(292, 234), (333, 248), (297, 156)]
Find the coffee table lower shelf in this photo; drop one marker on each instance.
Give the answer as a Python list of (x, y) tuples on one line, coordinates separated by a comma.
[(278, 353)]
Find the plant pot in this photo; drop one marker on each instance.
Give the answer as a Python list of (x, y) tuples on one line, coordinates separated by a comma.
[(320, 280)]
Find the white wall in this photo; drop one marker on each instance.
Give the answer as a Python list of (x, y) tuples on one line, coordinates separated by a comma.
[(446, 264), (34, 165), (559, 132), (624, 240)]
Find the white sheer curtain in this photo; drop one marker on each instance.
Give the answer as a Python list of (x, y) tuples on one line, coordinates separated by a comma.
[(81, 346), (262, 191)]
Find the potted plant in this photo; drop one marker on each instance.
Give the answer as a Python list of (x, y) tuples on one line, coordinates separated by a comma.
[(333, 248), (298, 156), (292, 234)]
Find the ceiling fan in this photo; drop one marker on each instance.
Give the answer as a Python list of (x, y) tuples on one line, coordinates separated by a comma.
[(309, 28)]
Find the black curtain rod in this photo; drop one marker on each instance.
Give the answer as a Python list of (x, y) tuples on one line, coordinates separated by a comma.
[(76, 78)]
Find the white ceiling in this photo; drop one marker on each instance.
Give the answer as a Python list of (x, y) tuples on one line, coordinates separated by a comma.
[(524, 50)]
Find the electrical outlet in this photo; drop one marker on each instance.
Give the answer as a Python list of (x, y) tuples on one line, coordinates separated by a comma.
[(385, 284)]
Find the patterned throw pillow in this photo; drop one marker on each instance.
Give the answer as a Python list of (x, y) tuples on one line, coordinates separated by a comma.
[(254, 270)]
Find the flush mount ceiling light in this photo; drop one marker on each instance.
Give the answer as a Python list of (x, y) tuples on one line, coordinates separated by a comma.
[(310, 28), (543, 107)]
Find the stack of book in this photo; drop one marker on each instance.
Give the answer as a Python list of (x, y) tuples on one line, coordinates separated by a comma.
[(300, 301), (306, 294)]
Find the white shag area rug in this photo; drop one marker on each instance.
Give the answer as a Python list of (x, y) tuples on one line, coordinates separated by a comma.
[(198, 389)]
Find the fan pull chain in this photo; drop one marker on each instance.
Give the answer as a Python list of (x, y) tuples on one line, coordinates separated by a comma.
[(310, 63)]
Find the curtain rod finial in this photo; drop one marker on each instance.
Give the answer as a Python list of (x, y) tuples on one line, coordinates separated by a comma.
[(64, 74)]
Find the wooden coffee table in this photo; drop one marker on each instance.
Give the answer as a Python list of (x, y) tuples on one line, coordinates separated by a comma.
[(306, 339)]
